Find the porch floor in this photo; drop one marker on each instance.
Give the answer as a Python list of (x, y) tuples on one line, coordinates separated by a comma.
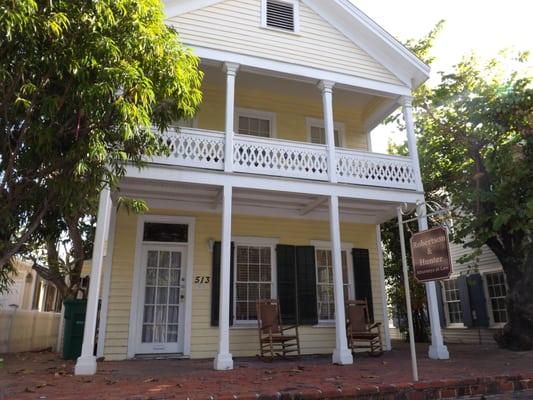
[(473, 369)]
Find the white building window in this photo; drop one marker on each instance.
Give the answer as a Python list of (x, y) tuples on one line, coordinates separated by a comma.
[(452, 302), (253, 279), (497, 292), (255, 123), (317, 133), (281, 15), (325, 285)]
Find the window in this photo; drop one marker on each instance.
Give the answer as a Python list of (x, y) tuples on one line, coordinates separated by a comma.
[(280, 14), (324, 281), (452, 302), (317, 133), (255, 123), (497, 292), (253, 279), (318, 136)]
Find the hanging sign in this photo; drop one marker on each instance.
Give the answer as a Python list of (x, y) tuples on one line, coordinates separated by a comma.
[(430, 251)]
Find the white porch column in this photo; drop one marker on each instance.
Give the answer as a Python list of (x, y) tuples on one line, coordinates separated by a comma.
[(341, 354), (231, 72), (437, 350), (407, 108), (224, 359), (86, 363), (327, 100), (386, 330)]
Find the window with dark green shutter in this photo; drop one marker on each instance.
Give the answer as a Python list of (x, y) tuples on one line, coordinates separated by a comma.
[(297, 284), (215, 285), (362, 278)]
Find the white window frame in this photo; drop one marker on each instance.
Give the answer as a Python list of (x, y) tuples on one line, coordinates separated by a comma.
[(260, 114), (445, 305), (492, 324), (325, 245), (296, 7), (259, 242), (319, 123)]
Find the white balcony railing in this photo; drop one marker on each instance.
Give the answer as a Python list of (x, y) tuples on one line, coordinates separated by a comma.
[(205, 149)]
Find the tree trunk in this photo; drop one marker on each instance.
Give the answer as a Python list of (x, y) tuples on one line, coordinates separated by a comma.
[(518, 332)]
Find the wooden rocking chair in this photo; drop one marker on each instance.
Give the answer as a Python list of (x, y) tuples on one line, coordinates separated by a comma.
[(361, 334), (273, 339)]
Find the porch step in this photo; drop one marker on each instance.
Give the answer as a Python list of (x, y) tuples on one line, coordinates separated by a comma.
[(170, 356)]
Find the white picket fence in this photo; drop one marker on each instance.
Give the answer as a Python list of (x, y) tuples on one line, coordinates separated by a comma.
[(23, 330)]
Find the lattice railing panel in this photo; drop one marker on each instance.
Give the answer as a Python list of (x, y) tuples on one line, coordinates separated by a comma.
[(375, 170), (194, 148), (280, 158)]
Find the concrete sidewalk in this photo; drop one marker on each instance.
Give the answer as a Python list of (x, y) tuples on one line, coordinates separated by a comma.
[(472, 370)]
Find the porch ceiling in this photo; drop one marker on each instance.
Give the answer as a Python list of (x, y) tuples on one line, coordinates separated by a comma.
[(206, 198)]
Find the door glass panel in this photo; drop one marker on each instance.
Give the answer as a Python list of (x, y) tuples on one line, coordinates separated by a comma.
[(162, 297)]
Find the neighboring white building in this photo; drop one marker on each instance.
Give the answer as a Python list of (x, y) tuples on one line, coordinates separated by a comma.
[(271, 191), (29, 291), (473, 299)]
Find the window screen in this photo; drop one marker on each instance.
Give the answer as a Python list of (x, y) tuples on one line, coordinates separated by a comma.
[(254, 126), (253, 280), (318, 136)]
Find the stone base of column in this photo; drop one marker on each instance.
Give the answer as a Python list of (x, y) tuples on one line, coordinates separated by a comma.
[(342, 357), (85, 365), (437, 352), (223, 362)]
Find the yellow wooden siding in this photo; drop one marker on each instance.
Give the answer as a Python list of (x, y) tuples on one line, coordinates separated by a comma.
[(243, 342), (291, 113), (235, 25)]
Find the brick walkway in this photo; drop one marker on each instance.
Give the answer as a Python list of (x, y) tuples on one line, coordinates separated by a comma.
[(472, 370)]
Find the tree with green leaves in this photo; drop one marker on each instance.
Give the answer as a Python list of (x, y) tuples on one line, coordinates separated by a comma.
[(475, 133), (85, 87)]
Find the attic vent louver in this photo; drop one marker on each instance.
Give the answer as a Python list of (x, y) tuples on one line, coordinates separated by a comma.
[(280, 15)]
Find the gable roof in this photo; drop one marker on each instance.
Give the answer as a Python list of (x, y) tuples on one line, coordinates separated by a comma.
[(355, 25)]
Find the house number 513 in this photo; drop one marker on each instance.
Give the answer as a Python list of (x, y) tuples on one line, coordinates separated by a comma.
[(202, 279)]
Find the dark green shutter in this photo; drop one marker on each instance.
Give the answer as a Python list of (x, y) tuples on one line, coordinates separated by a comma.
[(215, 284), (286, 277), (306, 285), (440, 301), (362, 279), (478, 303), (462, 285)]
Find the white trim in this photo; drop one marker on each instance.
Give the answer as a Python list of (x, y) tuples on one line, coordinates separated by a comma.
[(137, 270), (452, 325), (355, 25), (347, 247), (488, 302), (259, 114), (259, 242), (166, 173), (298, 70), (108, 266), (319, 123), (296, 8)]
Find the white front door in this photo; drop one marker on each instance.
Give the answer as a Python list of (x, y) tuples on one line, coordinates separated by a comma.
[(162, 299)]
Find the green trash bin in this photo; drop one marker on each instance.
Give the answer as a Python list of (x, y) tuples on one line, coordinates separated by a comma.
[(74, 324)]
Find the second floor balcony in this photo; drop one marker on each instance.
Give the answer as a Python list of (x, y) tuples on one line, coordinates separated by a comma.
[(205, 149), (276, 126)]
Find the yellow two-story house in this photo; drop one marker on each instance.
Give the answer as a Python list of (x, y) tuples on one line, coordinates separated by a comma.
[(271, 191)]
